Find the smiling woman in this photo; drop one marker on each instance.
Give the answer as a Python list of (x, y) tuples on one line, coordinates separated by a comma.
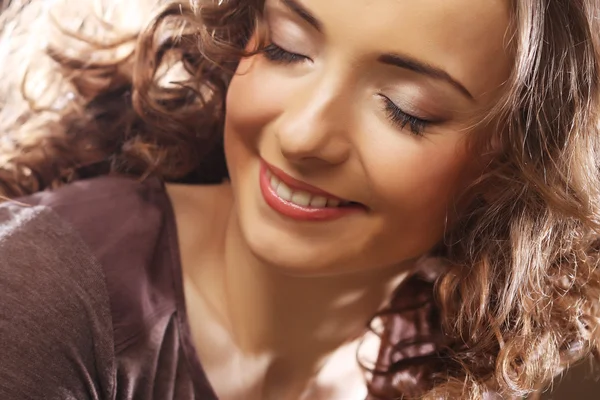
[(232, 198)]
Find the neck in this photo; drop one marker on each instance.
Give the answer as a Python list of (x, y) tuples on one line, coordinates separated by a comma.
[(297, 320), (294, 322)]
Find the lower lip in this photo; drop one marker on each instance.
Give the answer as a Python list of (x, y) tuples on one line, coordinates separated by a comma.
[(295, 211)]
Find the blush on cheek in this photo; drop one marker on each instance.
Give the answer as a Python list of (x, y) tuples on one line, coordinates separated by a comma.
[(418, 177), (252, 105), (255, 97)]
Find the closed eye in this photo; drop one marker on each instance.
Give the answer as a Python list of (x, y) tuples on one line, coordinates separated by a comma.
[(403, 119), (277, 54)]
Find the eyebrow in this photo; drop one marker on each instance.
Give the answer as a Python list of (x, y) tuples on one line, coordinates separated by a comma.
[(417, 66), (398, 60)]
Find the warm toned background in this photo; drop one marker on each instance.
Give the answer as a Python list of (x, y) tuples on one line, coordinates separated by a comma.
[(576, 385)]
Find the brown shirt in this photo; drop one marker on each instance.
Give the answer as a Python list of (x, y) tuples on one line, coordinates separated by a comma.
[(91, 298)]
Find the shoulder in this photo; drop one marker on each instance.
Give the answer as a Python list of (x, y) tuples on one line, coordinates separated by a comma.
[(118, 218), (107, 200), (129, 227), (35, 242), (55, 319)]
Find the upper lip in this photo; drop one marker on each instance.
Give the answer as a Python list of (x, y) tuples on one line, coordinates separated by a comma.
[(294, 183)]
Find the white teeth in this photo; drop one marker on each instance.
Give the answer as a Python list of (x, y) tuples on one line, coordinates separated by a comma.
[(284, 191), (300, 197), (318, 201), (333, 203)]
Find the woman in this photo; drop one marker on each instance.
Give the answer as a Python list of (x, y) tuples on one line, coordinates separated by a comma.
[(232, 192)]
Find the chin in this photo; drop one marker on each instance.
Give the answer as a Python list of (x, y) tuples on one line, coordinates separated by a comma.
[(288, 252), (291, 249)]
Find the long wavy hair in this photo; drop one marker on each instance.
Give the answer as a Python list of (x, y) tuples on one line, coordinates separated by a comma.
[(516, 300)]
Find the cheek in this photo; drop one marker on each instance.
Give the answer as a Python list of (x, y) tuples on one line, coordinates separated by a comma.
[(254, 97), (418, 181), (251, 104)]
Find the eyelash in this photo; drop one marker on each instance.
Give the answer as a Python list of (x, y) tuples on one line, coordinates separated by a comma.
[(277, 54), (402, 119)]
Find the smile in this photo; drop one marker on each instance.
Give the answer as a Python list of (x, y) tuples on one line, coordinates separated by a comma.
[(298, 200)]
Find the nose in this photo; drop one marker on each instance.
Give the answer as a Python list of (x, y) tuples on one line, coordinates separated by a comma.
[(314, 128)]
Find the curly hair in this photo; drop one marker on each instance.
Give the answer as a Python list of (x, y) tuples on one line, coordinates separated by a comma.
[(517, 301)]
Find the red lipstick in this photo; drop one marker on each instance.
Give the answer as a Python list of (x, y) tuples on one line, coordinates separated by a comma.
[(295, 211)]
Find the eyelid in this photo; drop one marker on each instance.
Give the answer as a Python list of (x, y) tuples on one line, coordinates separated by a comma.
[(416, 96), (283, 12), (409, 107), (284, 30)]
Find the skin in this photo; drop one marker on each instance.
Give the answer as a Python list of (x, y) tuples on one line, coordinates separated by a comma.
[(274, 299)]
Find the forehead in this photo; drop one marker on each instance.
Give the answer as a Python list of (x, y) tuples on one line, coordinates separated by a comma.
[(467, 38)]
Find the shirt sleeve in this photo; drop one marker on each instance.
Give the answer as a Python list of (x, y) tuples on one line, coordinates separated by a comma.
[(56, 336)]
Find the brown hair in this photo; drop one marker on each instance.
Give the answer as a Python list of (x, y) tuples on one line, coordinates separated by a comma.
[(518, 298)]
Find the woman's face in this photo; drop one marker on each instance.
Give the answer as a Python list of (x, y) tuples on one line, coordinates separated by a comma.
[(346, 140)]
